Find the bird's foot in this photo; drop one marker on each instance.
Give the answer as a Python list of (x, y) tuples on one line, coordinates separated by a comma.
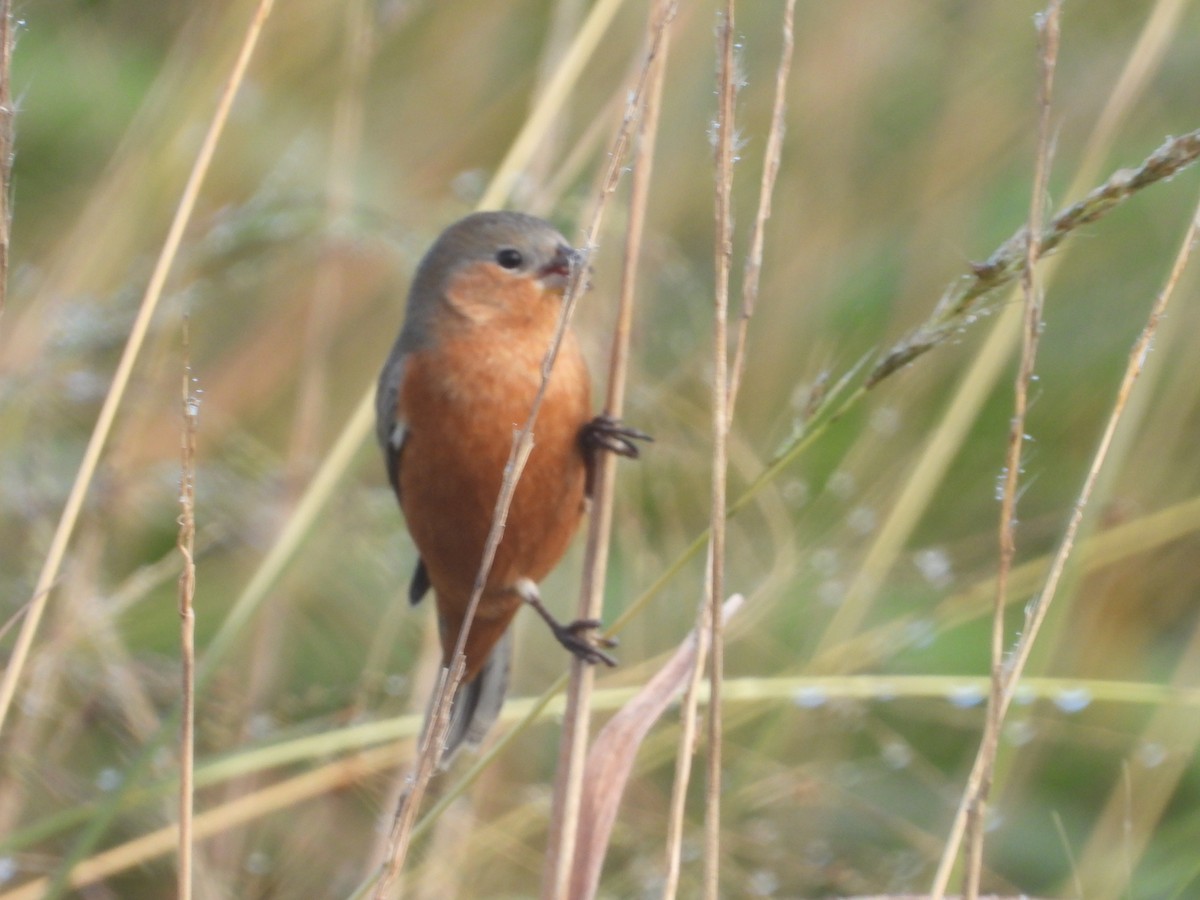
[(579, 636), (607, 433)]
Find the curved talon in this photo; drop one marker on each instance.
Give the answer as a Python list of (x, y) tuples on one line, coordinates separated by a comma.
[(606, 433), (576, 638)]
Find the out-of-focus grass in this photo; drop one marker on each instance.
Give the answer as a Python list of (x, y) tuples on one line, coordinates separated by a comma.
[(909, 148)]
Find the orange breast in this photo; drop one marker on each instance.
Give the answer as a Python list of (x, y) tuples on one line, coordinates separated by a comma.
[(462, 401)]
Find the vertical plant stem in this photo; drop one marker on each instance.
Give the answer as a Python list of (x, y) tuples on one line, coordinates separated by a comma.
[(187, 620), (771, 157), (722, 258), (564, 816), (977, 792), (133, 345), (687, 737), (687, 745), (1031, 287)]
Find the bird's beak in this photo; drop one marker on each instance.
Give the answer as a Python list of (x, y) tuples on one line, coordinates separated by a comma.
[(557, 272)]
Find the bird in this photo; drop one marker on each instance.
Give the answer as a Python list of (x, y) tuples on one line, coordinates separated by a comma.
[(483, 309)]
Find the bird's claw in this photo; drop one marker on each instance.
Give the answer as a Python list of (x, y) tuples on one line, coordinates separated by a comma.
[(579, 637), (607, 433)]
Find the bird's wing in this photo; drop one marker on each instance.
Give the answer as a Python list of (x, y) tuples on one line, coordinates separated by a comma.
[(391, 429)]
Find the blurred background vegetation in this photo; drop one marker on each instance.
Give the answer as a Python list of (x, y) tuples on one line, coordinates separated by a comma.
[(364, 129)]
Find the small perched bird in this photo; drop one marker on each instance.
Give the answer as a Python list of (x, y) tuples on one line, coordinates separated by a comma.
[(460, 381)]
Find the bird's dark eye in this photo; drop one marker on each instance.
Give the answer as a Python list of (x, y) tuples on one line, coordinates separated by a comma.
[(509, 258)]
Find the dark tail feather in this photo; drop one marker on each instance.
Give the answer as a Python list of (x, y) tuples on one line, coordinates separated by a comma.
[(477, 703)]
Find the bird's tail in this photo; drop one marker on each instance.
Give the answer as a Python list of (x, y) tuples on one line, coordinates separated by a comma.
[(477, 703)]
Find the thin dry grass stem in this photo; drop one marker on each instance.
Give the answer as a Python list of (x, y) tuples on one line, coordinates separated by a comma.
[(432, 742), (722, 260), (561, 854), (187, 617), (688, 727), (7, 116), (522, 446), (1038, 606), (133, 345), (1031, 287), (960, 303), (771, 157)]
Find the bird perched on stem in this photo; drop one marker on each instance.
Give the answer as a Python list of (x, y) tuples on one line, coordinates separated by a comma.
[(461, 379)]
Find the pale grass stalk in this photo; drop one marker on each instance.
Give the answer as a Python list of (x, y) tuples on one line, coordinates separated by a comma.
[(133, 345), (688, 727), (187, 625), (573, 744), (295, 530), (1037, 608), (704, 625), (722, 260), (766, 189), (1034, 297)]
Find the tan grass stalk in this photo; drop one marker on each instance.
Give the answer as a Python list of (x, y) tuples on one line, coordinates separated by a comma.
[(561, 864), (722, 260), (766, 190), (187, 622), (133, 345), (1037, 608), (1031, 287), (686, 746), (687, 736)]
